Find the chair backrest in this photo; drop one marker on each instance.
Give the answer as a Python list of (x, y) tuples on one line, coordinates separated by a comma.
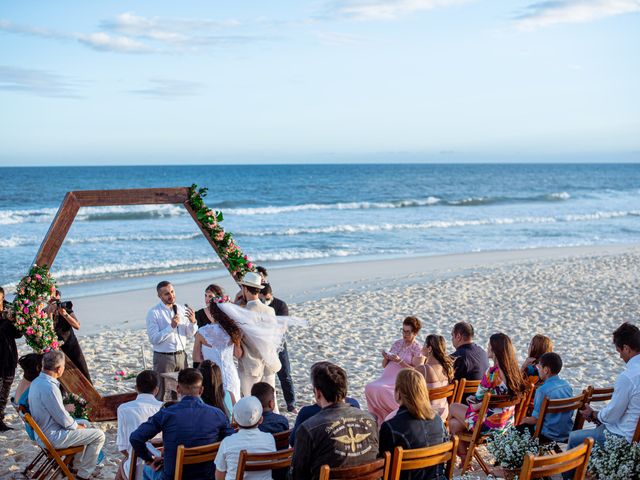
[(465, 388), (52, 453), (192, 455), (593, 395), (133, 467), (521, 410), (259, 462), (447, 391), (548, 465), (404, 460), (491, 401), (375, 470), (636, 435), (282, 439), (560, 405)]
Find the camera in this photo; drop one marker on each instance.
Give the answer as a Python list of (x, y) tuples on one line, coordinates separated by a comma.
[(68, 305)]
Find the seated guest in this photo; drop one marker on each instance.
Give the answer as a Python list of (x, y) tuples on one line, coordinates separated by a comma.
[(503, 378), (470, 360), (323, 439), (416, 425), (404, 353), (271, 422), (247, 413), (31, 365), (214, 393), (190, 422), (437, 370), (310, 410), (540, 344), (620, 416), (556, 426), (47, 410), (132, 414)]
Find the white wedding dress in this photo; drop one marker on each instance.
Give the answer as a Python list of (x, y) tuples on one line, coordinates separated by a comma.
[(221, 353)]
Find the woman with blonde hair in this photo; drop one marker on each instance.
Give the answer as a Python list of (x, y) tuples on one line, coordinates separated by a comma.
[(416, 425), (540, 344)]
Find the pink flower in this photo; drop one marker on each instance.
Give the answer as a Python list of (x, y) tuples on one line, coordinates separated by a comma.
[(25, 310), (26, 301), (29, 331), (249, 265), (54, 344), (28, 279), (220, 236), (38, 277)]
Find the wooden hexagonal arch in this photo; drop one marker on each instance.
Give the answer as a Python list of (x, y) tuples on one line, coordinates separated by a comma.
[(104, 408)]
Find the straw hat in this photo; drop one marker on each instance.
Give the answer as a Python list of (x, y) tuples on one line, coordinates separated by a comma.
[(252, 279)]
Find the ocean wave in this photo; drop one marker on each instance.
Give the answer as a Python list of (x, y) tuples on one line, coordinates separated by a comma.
[(89, 214), (437, 224), (133, 238)]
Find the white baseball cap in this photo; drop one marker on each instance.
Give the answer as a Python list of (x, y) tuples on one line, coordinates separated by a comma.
[(247, 411)]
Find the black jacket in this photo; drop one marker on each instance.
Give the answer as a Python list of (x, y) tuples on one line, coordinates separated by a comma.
[(281, 308), (406, 431), (8, 348)]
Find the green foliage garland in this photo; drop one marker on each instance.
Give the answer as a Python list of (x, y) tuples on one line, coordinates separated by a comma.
[(32, 297), (232, 257)]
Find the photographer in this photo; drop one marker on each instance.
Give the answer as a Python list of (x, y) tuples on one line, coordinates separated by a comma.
[(8, 356), (65, 322)]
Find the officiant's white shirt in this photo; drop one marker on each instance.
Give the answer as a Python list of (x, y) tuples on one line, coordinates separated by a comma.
[(164, 338)]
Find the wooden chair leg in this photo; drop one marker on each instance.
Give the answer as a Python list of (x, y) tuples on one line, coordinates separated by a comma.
[(468, 457), (485, 468)]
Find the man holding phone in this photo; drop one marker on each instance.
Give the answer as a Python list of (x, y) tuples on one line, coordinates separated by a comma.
[(168, 327)]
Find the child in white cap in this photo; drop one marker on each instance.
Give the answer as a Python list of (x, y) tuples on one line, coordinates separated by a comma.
[(247, 413)]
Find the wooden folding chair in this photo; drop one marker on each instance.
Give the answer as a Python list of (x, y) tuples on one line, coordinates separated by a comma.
[(417, 458), (465, 388), (133, 467), (282, 439), (594, 395), (193, 455), (561, 405), (376, 470), (448, 392), (37, 464), (548, 465), (475, 437), (636, 435), (527, 400), (58, 460), (259, 462)]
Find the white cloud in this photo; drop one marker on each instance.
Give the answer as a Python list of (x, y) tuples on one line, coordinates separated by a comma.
[(544, 14), (386, 9), (105, 42), (36, 82), (169, 88), (337, 39)]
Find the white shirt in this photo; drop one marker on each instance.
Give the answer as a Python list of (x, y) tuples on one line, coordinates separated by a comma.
[(621, 414), (130, 416), (164, 338), (253, 441)]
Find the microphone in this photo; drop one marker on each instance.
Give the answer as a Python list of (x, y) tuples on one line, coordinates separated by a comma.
[(175, 309)]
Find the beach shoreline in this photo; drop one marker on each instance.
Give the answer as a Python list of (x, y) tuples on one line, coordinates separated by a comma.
[(576, 295)]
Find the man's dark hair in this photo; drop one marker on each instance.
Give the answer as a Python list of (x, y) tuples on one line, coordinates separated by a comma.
[(266, 290), (263, 392), (146, 381), (162, 284), (552, 361), (627, 334), (331, 380), (262, 271), (190, 378), (253, 290), (463, 328)]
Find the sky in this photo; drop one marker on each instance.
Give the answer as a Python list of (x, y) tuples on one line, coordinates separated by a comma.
[(318, 81)]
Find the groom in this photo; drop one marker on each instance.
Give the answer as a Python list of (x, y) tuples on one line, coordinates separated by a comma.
[(251, 366)]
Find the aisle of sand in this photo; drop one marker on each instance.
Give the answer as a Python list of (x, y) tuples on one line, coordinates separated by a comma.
[(577, 296)]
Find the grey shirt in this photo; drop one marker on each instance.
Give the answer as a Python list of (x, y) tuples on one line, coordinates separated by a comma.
[(47, 409)]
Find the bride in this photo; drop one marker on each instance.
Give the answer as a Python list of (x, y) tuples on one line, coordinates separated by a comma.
[(219, 341)]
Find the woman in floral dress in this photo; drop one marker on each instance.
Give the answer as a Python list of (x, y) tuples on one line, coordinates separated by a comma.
[(404, 353), (503, 378)]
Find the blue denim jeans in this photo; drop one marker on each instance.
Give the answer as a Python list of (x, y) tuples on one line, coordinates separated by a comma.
[(578, 436), (149, 474)]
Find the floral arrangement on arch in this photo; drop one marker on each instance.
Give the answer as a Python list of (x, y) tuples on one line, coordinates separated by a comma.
[(76, 406), (232, 257), (32, 297)]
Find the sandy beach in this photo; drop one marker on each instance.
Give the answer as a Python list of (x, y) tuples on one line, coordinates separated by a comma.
[(575, 295)]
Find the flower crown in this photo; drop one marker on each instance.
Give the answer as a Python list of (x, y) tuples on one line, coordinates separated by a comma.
[(221, 299)]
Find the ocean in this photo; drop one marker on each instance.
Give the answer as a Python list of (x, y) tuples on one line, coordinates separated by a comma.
[(292, 214)]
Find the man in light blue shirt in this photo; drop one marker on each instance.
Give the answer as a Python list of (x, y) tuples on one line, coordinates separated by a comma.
[(47, 409), (556, 426)]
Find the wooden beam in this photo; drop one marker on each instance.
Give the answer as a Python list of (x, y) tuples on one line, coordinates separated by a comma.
[(57, 231), (205, 232), (133, 196)]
